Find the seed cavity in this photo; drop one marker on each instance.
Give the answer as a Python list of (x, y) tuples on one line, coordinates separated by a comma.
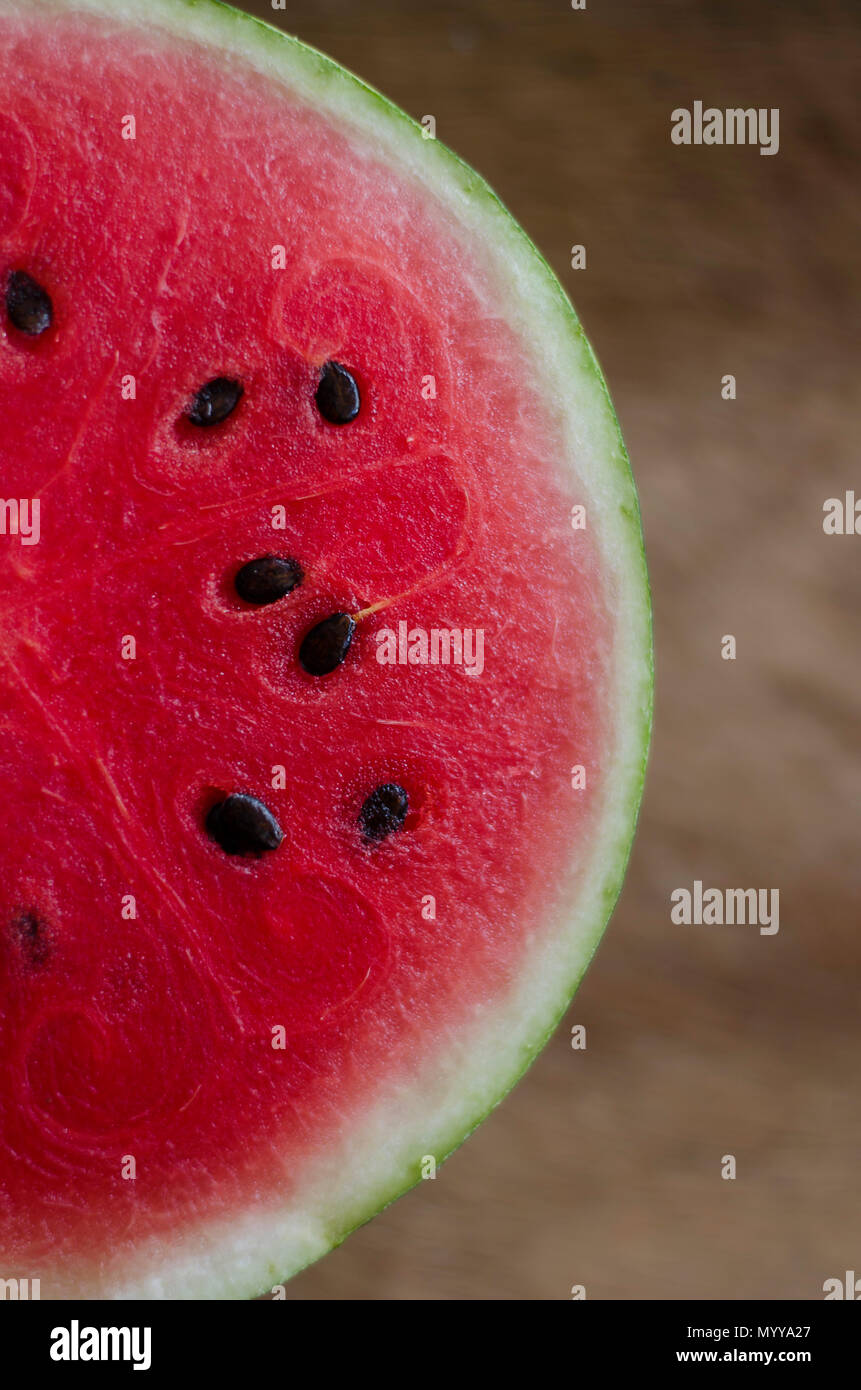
[(325, 646), (29, 306), (215, 401), (268, 579), (241, 824), (384, 811), (338, 399), (31, 938)]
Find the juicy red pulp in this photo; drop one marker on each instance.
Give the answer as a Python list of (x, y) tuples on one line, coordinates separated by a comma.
[(143, 970)]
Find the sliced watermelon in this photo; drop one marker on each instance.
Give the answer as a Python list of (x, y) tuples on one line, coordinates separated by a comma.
[(294, 886)]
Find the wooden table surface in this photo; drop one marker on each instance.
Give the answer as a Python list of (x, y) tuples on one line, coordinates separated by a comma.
[(603, 1168)]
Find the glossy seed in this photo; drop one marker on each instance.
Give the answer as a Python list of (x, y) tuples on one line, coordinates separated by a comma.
[(243, 825), (384, 812), (268, 579), (215, 401), (337, 395), (29, 306), (32, 940), (325, 646)]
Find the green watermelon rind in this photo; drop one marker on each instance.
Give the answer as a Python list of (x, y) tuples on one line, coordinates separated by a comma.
[(248, 1255)]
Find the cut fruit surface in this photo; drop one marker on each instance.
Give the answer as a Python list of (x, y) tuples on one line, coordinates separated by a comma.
[(326, 656)]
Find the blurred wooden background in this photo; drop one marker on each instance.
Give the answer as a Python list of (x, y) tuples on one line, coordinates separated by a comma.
[(603, 1167)]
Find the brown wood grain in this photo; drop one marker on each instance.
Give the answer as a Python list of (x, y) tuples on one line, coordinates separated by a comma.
[(603, 1167)]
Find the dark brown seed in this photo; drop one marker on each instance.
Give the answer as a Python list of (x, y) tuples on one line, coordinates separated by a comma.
[(268, 579), (325, 646), (243, 825), (31, 937), (337, 395), (384, 812), (215, 401), (29, 306)]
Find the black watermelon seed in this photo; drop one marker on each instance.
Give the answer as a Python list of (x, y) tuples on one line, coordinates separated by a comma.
[(325, 646), (268, 579), (215, 401), (29, 306), (337, 395), (384, 812), (32, 940), (243, 825)]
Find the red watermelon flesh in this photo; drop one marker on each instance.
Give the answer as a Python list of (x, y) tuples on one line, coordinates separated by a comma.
[(145, 974)]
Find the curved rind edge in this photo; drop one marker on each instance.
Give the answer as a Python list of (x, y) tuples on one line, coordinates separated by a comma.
[(287, 59)]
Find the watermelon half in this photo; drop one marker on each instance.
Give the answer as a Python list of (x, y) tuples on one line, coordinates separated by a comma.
[(326, 674)]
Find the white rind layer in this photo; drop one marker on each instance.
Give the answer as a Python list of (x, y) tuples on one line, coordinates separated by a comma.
[(470, 1072)]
